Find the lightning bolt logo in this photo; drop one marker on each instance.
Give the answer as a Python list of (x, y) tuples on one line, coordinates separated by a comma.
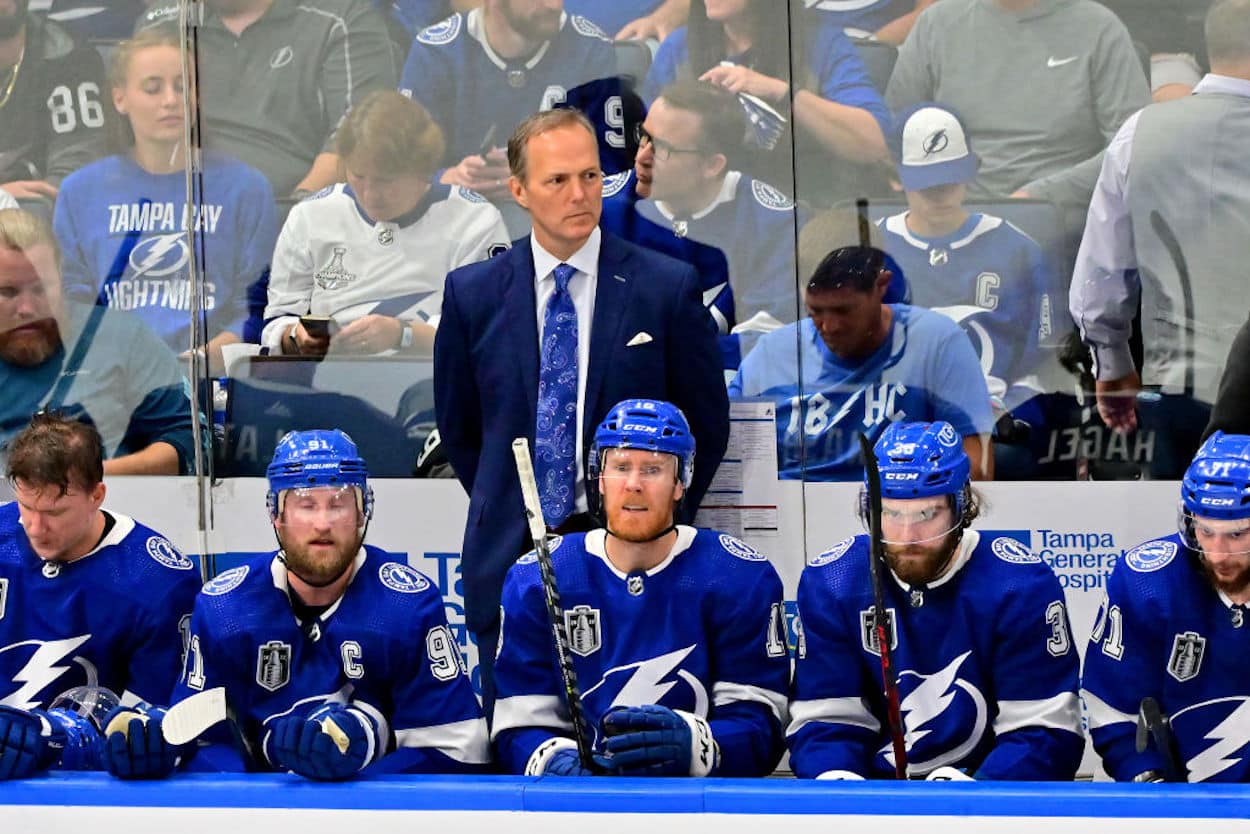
[(1230, 735), (151, 253), (646, 684), (927, 702), (41, 670)]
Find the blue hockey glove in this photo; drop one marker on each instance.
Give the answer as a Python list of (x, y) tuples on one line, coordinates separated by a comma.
[(135, 746), (566, 763), (32, 740), (23, 745), (332, 743), (652, 740)]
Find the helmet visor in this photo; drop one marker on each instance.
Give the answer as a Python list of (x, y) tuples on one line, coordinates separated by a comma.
[(1215, 535), (329, 504), (911, 521), (645, 465)]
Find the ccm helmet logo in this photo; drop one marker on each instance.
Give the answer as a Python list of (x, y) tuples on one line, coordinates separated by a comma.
[(639, 427), (1217, 502), (901, 476)]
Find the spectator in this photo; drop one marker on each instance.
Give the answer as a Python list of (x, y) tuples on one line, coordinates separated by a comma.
[(1041, 86), (1171, 33), (888, 21), (979, 270), (683, 198), (480, 73), (90, 362), (123, 222), (51, 117), (859, 365), (277, 76), (372, 254), (734, 44), (1172, 206)]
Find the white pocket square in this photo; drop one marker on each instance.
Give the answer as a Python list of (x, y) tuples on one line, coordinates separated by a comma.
[(640, 338)]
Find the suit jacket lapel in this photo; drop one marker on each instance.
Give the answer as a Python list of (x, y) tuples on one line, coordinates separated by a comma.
[(520, 307), (613, 292)]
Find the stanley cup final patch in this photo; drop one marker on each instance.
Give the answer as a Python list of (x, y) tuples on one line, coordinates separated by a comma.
[(1187, 653), (582, 626), (273, 665)]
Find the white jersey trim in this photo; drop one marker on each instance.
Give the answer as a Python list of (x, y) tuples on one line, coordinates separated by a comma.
[(851, 711), (728, 692), (596, 545), (728, 188), (1101, 714), (967, 544), (476, 27), (465, 741), (1059, 712), (530, 711)]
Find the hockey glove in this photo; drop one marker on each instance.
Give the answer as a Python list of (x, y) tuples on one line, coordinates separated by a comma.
[(38, 739), (566, 763), (652, 740), (332, 743), (135, 746)]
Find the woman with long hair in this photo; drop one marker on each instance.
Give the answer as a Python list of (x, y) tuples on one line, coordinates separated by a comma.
[(129, 231)]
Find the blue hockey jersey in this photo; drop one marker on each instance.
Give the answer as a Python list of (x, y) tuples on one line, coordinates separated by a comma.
[(115, 617), (478, 97), (702, 632), (123, 232), (384, 647), (924, 370), (993, 280), (987, 673), (1165, 632)]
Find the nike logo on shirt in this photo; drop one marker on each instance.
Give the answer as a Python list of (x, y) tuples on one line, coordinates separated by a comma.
[(1053, 62)]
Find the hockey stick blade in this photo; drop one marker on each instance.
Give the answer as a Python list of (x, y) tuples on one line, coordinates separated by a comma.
[(190, 718), (1153, 724)]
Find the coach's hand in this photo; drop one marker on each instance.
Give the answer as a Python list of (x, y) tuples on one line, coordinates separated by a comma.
[(652, 740)]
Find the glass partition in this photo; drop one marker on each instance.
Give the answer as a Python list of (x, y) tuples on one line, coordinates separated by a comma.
[(256, 203)]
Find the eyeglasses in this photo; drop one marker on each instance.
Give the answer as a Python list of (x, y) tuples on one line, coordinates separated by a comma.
[(662, 150)]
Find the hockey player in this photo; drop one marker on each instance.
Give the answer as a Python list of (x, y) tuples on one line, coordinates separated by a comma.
[(334, 656), (372, 253), (481, 72), (1173, 628), (978, 633), (677, 633), (88, 597), (123, 221)]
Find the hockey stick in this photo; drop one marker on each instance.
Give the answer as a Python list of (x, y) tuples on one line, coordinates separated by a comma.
[(876, 559), (1152, 723), (1168, 238), (538, 531)]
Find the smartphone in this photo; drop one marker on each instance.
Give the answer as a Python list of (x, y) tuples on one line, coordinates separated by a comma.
[(317, 326)]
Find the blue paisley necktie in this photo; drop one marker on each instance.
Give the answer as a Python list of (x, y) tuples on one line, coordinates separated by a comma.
[(555, 453)]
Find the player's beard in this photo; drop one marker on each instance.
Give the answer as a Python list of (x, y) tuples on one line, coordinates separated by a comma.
[(538, 26), (924, 561), (320, 566), (1232, 581), (31, 347), (12, 22)]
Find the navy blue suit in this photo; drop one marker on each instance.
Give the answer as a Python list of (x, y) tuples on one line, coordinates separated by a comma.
[(486, 366)]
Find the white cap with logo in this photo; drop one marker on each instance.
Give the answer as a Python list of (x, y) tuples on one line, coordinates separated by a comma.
[(933, 149)]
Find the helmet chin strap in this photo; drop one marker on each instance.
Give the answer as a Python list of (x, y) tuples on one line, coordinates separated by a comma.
[(670, 528)]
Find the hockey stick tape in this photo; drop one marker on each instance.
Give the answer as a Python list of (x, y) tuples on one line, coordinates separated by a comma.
[(187, 720)]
